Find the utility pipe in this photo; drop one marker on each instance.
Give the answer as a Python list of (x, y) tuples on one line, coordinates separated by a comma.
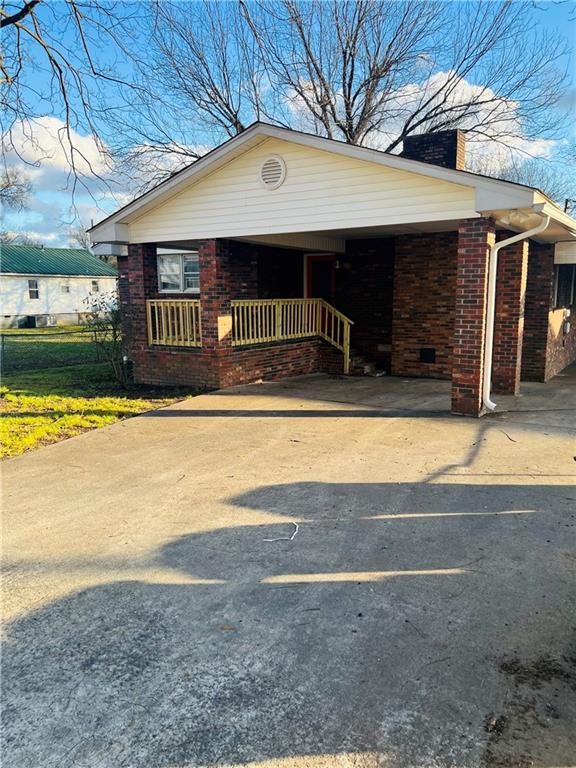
[(491, 308)]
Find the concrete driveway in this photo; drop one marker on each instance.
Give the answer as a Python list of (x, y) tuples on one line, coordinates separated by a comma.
[(314, 573)]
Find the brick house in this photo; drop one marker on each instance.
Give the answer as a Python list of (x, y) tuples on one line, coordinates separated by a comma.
[(281, 253)]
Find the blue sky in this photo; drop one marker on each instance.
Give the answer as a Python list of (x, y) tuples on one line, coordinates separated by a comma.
[(53, 208), (561, 18)]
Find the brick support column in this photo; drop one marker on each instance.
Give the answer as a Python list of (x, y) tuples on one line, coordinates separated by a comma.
[(215, 292), (475, 237), (509, 325), (228, 270), (138, 281)]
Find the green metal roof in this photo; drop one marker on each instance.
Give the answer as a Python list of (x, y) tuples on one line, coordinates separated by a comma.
[(32, 260)]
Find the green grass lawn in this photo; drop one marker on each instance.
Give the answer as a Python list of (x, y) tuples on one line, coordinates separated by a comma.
[(48, 329), (43, 407), (33, 348)]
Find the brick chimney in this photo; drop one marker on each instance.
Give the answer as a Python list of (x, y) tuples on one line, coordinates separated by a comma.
[(445, 148)]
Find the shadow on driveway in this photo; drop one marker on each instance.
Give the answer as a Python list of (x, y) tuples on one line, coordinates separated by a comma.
[(393, 629)]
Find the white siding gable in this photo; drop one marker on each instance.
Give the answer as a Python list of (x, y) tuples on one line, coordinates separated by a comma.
[(322, 191)]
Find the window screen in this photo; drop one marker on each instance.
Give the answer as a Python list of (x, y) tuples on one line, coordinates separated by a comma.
[(178, 272), (191, 272)]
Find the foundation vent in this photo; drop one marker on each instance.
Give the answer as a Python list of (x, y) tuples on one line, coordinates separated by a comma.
[(273, 172)]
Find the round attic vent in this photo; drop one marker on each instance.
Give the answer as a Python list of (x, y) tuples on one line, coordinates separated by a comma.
[(273, 172)]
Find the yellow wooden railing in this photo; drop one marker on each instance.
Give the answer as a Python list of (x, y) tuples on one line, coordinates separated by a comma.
[(174, 323), (257, 321)]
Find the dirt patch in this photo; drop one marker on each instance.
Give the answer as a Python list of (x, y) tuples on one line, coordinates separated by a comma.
[(543, 670), (536, 724)]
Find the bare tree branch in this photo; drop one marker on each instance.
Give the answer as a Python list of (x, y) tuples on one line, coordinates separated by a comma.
[(52, 65), (369, 72), (18, 16), (79, 237), (364, 71), (15, 188)]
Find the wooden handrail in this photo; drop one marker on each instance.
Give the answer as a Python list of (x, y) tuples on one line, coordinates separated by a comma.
[(174, 322), (259, 321)]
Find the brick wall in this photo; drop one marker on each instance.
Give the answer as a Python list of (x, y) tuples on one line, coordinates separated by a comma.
[(330, 360), (364, 285), (423, 308), (445, 148), (475, 237), (176, 367), (124, 296), (268, 362), (211, 369), (243, 266), (435, 301), (539, 298), (215, 291)]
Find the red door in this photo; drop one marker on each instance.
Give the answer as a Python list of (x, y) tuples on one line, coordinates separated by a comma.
[(321, 276)]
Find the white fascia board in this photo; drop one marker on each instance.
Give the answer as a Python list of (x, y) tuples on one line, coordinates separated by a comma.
[(491, 198), (110, 249), (560, 216), (499, 207), (110, 231)]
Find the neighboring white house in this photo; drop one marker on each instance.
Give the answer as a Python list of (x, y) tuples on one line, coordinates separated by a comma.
[(49, 286)]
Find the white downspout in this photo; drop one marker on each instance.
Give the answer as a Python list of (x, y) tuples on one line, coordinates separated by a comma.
[(491, 308)]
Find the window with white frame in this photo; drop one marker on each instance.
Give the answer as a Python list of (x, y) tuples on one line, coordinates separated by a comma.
[(33, 291), (95, 286), (564, 286), (65, 288), (178, 272)]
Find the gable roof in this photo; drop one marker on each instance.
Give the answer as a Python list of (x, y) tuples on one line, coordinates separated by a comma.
[(491, 194), (32, 260)]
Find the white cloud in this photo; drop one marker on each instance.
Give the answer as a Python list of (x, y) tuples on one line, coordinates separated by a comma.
[(503, 143), (301, 117), (496, 133), (59, 199), (46, 143)]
